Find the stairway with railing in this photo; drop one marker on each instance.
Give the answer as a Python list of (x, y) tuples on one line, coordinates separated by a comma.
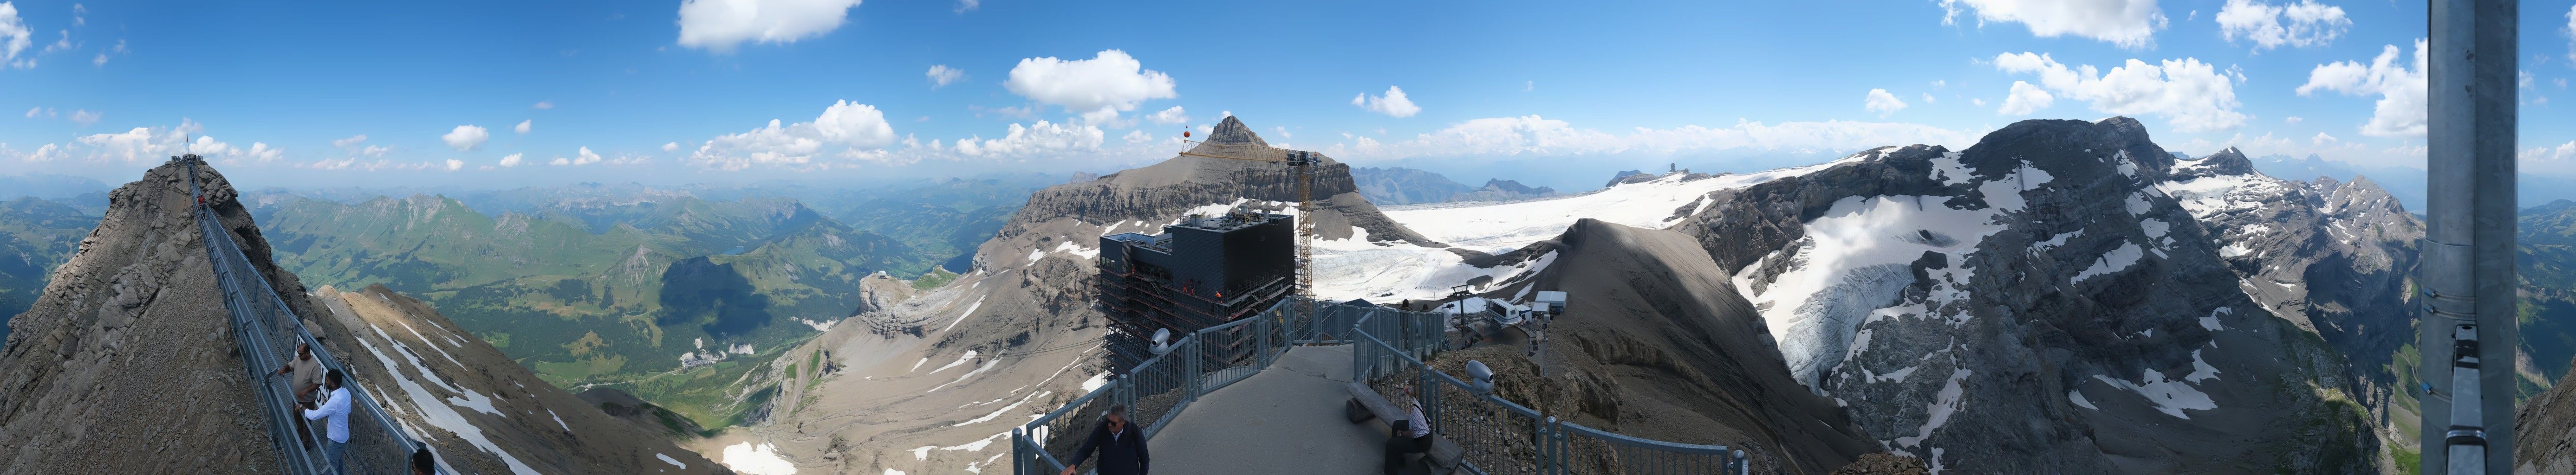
[(267, 332), (1388, 349)]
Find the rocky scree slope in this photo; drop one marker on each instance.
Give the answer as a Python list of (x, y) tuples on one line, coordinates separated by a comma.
[(2032, 304), (1661, 346)]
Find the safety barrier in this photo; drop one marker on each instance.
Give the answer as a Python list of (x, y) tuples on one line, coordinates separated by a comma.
[(267, 332), (1501, 437)]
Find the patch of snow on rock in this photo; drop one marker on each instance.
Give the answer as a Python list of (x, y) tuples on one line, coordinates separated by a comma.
[(2117, 260), (2170, 397), (761, 459)]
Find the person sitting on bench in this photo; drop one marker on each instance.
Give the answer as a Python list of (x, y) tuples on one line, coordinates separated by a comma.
[(1412, 435)]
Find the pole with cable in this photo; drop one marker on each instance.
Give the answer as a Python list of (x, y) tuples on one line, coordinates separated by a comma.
[(2467, 332)]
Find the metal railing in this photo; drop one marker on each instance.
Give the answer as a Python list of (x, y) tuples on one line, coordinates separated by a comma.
[(1156, 390), (1388, 346), (1497, 436), (267, 332)]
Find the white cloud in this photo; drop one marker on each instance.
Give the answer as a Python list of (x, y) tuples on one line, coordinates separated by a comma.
[(85, 117), (375, 151), (1170, 116), (466, 137), (47, 153), (1138, 136), (1109, 80), (152, 143), (1041, 138), (848, 124), (15, 37), (2557, 157), (522, 129), (510, 160), (1937, 83), (2130, 24), (2401, 109), (1978, 101), (349, 142), (1393, 103), (586, 157), (542, 105), (2191, 95), (942, 75), (101, 60), (2308, 23), (2571, 34), (721, 25), (454, 164), (1881, 102), (1534, 135), (671, 147), (2025, 99), (1928, 99), (964, 6), (2293, 120), (2322, 139)]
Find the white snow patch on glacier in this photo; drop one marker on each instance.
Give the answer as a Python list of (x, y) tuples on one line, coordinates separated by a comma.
[(2170, 397), (2056, 241), (2117, 260), (760, 459), (2200, 369), (2233, 250), (2155, 228), (961, 316), (1944, 404), (2211, 322), (1854, 261), (2077, 396)]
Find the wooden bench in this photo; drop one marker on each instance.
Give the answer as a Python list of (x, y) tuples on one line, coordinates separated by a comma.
[(1366, 404)]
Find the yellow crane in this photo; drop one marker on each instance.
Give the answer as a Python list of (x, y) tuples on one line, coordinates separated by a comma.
[(1302, 166)]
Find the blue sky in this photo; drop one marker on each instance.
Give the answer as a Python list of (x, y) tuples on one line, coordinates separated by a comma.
[(669, 92)]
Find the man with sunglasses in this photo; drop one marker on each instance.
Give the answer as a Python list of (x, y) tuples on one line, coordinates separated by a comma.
[(1121, 448)]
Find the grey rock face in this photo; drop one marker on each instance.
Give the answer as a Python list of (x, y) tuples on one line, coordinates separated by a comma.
[(2049, 309)]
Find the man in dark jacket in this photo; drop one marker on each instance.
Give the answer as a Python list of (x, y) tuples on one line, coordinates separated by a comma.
[(1121, 447)]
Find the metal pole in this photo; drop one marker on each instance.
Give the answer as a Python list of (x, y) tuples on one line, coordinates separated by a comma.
[(2467, 332)]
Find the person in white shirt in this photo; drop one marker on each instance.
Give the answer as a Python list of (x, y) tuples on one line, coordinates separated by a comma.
[(1412, 434), (335, 406)]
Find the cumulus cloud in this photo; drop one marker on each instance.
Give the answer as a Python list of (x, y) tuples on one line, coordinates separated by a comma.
[(2191, 95), (1170, 116), (84, 117), (2571, 35), (1393, 103), (2130, 24), (1041, 138), (2302, 24), (510, 160), (847, 124), (352, 141), (2322, 139), (1110, 80), (15, 37), (585, 157), (722, 25), (153, 143), (1534, 135), (522, 129), (2025, 99), (1137, 136), (542, 105), (671, 147), (942, 75), (454, 164), (466, 137), (2292, 120), (2558, 156), (2401, 86), (1883, 103)]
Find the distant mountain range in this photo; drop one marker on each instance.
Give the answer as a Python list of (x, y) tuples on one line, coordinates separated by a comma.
[(2406, 183), (1400, 186)]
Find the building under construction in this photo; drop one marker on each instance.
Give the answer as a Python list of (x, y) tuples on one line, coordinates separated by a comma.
[(1203, 272)]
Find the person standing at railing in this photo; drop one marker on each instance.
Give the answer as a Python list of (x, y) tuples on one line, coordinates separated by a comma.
[(334, 407), (305, 377), (1412, 435), (1121, 448)]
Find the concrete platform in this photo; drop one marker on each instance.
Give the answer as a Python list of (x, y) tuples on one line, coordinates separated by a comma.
[(1286, 420)]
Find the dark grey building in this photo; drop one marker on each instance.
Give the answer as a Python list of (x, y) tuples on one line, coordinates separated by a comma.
[(1200, 273)]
